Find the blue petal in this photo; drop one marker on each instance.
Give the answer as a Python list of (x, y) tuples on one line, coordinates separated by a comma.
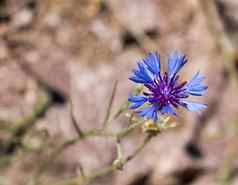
[(137, 101), (195, 86), (142, 75), (135, 105), (155, 116), (145, 72), (136, 79), (168, 110), (176, 61), (149, 112), (137, 98), (152, 62), (193, 106)]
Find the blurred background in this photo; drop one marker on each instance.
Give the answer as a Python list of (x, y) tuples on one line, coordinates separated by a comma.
[(52, 51)]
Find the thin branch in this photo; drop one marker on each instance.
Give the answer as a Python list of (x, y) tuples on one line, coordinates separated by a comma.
[(139, 149), (23, 125), (87, 134), (126, 131), (119, 149), (81, 169), (74, 121), (98, 133), (108, 112), (56, 153), (123, 108), (107, 170)]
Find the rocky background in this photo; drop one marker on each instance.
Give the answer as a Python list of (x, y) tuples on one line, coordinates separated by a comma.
[(54, 51)]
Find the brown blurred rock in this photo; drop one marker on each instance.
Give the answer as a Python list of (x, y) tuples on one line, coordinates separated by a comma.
[(78, 50)]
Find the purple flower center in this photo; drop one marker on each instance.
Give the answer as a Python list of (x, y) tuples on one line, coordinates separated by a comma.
[(165, 91)]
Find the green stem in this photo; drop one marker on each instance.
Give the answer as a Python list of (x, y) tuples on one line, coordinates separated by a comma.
[(84, 135), (74, 121), (126, 131), (107, 170), (22, 126), (109, 108)]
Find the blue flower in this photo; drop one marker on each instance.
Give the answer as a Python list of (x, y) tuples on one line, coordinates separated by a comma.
[(164, 91)]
